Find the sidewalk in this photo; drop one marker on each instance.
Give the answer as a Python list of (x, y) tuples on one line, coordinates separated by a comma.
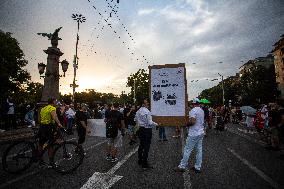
[(17, 134)]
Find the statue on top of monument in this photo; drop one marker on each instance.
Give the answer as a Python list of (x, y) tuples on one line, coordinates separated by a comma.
[(53, 37)]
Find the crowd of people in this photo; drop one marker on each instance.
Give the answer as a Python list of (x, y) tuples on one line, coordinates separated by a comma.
[(136, 122)]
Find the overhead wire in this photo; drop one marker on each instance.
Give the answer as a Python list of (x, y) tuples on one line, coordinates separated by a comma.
[(138, 59)]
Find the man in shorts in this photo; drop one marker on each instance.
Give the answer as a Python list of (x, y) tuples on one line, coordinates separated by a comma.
[(114, 123), (48, 121), (81, 122)]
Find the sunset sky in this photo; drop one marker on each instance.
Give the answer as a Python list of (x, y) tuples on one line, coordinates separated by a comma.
[(152, 31)]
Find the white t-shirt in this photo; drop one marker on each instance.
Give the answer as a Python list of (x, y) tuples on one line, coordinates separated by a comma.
[(198, 128), (70, 113), (144, 118)]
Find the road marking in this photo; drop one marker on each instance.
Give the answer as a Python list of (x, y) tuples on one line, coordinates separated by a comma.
[(186, 175), (91, 147), (247, 137), (120, 163), (4, 185), (255, 169), (106, 180)]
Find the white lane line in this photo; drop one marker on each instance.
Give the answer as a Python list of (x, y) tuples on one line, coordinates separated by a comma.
[(186, 175), (255, 169), (91, 147), (106, 180), (259, 142), (120, 163), (35, 172)]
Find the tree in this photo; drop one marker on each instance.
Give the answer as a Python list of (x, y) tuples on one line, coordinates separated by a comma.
[(255, 87), (259, 86), (139, 82), (34, 92), (12, 61)]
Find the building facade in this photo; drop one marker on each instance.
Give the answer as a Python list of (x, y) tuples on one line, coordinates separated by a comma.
[(278, 53)]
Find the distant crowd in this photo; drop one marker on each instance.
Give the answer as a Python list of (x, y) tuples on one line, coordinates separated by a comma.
[(267, 120)]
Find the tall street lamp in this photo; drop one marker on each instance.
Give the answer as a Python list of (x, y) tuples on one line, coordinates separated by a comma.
[(222, 88), (134, 97), (79, 19)]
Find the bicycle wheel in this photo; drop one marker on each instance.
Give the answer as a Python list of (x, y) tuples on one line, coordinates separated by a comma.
[(18, 157), (68, 156)]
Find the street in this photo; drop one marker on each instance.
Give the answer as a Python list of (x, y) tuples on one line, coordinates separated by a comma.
[(231, 159)]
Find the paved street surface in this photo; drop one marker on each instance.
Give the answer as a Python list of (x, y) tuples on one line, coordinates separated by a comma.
[(232, 159)]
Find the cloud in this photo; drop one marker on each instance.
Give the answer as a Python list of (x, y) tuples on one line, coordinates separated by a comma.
[(165, 32), (207, 33), (142, 12)]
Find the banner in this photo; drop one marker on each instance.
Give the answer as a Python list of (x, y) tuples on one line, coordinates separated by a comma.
[(168, 91), (97, 127)]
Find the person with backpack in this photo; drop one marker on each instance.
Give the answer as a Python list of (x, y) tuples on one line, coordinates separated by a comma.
[(114, 132)]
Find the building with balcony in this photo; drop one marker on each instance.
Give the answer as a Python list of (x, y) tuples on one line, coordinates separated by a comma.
[(278, 53)]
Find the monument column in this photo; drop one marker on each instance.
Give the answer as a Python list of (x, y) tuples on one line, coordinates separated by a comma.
[(51, 80)]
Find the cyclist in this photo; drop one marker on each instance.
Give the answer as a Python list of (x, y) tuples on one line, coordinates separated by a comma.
[(48, 120)]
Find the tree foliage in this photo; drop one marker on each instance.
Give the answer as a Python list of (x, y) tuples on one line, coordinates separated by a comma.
[(139, 82), (258, 86), (12, 61), (29, 93), (92, 98), (254, 87)]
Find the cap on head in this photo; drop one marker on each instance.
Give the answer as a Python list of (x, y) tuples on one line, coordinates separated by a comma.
[(195, 101)]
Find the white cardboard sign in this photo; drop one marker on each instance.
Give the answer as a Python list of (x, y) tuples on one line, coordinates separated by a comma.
[(97, 127), (168, 92)]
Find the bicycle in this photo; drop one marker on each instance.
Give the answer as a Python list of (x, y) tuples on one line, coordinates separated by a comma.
[(20, 155)]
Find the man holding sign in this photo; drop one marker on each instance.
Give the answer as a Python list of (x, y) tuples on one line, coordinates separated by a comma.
[(194, 139)]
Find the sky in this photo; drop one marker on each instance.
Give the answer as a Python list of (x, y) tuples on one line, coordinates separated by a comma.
[(210, 36)]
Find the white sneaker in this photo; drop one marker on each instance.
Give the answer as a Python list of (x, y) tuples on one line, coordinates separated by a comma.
[(2, 131), (114, 160)]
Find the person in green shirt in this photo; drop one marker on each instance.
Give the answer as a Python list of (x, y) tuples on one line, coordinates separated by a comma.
[(48, 123)]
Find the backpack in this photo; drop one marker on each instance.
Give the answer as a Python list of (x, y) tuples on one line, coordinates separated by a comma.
[(112, 124)]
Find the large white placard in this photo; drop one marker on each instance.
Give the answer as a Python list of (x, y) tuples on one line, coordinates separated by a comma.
[(168, 91), (97, 127)]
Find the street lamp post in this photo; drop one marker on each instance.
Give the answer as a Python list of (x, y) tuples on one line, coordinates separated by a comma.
[(134, 98), (79, 19), (222, 88)]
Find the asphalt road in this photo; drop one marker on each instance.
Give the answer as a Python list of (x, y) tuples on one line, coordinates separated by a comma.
[(231, 159)]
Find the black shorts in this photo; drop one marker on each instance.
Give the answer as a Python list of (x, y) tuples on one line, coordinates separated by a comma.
[(46, 133), (81, 134)]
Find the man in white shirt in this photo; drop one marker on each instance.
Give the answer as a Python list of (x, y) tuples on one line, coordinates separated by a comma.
[(194, 139), (144, 119), (70, 115)]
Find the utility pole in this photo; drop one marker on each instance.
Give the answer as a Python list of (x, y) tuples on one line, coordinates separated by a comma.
[(79, 19), (223, 88), (134, 92)]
